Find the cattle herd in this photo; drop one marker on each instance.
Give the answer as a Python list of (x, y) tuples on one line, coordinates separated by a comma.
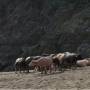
[(51, 62)]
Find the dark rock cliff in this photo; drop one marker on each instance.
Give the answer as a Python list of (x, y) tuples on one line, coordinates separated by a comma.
[(33, 27)]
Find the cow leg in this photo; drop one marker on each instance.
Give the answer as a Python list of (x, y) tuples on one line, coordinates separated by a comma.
[(69, 66), (45, 69), (27, 70), (35, 69), (19, 70), (57, 67), (54, 66), (41, 70), (61, 67), (15, 70), (50, 68), (74, 67)]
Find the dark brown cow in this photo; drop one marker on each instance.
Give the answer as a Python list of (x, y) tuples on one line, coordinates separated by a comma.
[(66, 59), (43, 63), (70, 59)]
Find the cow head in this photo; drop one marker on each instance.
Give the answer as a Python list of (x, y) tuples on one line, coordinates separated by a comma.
[(78, 57)]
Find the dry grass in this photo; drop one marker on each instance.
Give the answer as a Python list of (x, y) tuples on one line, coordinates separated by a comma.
[(79, 78)]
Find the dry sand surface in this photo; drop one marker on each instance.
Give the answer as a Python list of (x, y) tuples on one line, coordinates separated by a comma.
[(71, 79)]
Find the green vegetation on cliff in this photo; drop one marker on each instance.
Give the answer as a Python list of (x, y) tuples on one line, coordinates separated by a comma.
[(33, 27)]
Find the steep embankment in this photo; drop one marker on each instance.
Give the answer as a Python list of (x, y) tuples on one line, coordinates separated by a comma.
[(32, 27)]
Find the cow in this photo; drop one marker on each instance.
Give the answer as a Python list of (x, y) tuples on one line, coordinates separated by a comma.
[(50, 56), (29, 59), (19, 64), (83, 62), (43, 63), (71, 58), (66, 59), (57, 60)]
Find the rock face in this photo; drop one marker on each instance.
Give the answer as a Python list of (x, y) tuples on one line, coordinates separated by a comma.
[(33, 27)]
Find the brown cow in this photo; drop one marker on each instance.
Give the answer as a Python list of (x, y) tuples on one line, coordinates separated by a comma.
[(43, 63), (57, 60)]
